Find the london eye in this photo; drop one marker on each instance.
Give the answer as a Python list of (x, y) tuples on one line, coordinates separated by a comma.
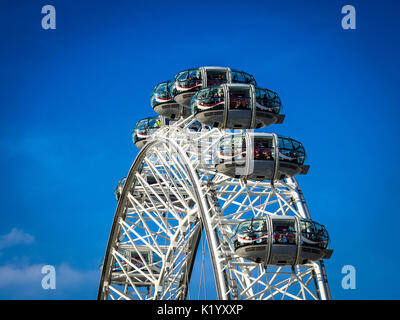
[(205, 171)]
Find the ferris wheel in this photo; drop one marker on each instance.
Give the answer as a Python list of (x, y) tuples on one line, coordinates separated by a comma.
[(204, 172)]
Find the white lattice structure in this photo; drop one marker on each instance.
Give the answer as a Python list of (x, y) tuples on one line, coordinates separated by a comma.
[(172, 196)]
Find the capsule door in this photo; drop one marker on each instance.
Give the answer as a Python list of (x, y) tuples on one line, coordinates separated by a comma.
[(215, 76), (284, 242), (239, 107), (262, 160)]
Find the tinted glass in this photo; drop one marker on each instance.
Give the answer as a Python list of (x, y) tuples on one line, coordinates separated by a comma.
[(188, 79), (242, 77), (209, 98), (284, 232), (239, 98), (233, 148), (314, 234), (267, 100), (291, 150), (263, 148), (215, 77)]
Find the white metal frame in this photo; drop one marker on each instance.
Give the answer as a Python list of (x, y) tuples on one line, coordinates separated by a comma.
[(189, 197)]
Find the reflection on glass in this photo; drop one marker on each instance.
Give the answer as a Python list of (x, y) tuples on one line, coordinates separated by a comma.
[(242, 77), (313, 234), (208, 98), (232, 148), (251, 232), (267, 100), (291, 151), (188, 79), (144, 128), (161, 94)]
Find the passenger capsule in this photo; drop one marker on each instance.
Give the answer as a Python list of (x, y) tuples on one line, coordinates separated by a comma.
[(137, 264), (281, 240), (236, 106), (259, 156), (144, 128), (188, 82), (163, 102)]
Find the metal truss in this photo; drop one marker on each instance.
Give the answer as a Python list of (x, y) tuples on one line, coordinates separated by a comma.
[(171, 196)]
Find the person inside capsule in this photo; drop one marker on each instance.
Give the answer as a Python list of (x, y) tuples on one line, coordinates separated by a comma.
[(283, 247), (188, 79), (284, 233), (263, 149), (239, 99), (216, 77)]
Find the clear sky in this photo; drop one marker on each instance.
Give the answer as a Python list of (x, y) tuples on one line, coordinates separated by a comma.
[(70, 96)]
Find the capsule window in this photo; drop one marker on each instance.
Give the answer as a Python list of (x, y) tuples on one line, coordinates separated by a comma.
[(154, 123), (259, 225), (161, 94), (188, 79), (242, 77), (194, 75), (162, 90), (238, 77), (263, 148), (172, 88), (182, 76), (144, 128), (244, 227), (215, 77), (291, 151), (284, 232), (210, 98), (314, 234), (142, 124), (239, 99), (267, 100), (253, 225), (232, 149)]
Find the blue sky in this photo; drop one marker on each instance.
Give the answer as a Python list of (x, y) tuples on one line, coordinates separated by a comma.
[(70, 96)]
